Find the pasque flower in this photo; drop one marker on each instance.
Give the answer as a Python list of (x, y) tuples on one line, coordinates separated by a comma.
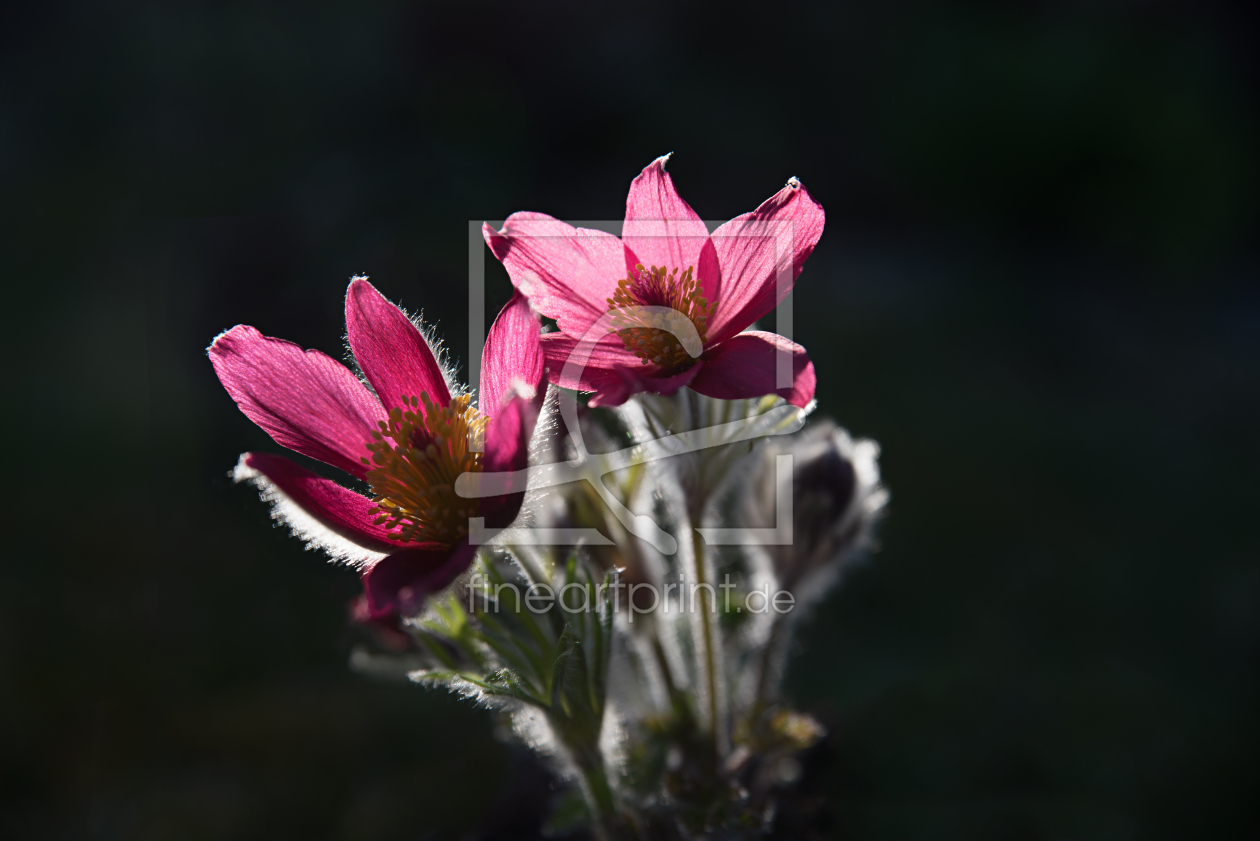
[(666, 258), (409, 437)]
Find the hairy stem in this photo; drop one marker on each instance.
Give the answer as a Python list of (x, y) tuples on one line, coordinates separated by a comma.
[(708, 639)]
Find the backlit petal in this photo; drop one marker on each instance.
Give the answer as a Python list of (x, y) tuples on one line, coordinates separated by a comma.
[(321, 512), (305, 400), (512, 361), (660, 228), (566, 273), (394, 356), (747, 366), (761, 254)]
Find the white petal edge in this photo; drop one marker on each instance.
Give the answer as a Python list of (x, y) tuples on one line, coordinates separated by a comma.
[(317, 536)]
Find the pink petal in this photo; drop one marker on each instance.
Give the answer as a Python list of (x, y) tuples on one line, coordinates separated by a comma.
[(709, 272), (512, 361), (746, 366), (512, 370), (592, 364), (507, 448), (613, 373), (320, 511), (304, 400), (508, 434), (751, 262), (567, 273), (662, 229), (394, 356), (632, 381), (398, 584)]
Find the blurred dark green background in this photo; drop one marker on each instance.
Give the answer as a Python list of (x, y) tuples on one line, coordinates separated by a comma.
[(1037, 289)]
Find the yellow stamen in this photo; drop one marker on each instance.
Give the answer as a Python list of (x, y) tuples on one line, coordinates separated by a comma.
[(416, 458), (644, 335)]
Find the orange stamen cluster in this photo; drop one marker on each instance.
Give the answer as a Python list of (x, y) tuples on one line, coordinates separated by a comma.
[(645, 335), (416, 458)]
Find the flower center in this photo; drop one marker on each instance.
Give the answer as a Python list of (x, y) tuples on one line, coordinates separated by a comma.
[(416, 459), (646, 335)]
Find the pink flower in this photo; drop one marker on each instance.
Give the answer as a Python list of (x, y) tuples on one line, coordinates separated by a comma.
[(719, 283), (409, 441)]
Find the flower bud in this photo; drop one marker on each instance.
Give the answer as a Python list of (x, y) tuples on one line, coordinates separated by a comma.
[(836, 499)]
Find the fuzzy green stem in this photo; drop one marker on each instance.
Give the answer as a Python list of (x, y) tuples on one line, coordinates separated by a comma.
[(706, 621)]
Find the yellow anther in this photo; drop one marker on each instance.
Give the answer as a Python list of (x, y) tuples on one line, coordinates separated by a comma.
[(646, 336), (418, 456)]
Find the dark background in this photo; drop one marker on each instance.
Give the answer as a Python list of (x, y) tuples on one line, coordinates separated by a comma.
[(1037, 289)]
